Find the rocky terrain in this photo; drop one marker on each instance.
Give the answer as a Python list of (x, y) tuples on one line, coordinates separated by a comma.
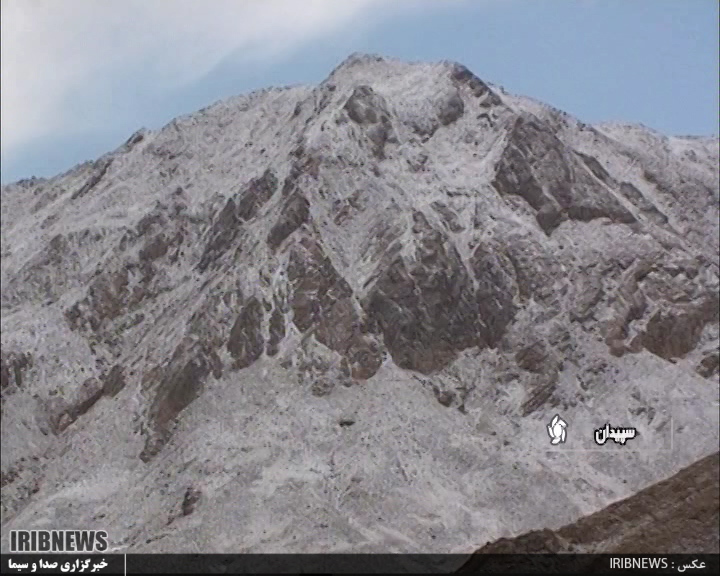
[(679, 515), (340, 317)]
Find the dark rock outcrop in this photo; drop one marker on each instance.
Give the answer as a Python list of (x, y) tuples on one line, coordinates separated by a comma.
[(222, 233), (244, 206), (246, 342), (190, 500), (322, 302), (155, 248), (426, 309), (276, 332), (672, 312), (450, 218), (114, 381), (709, 365), (317, 289), (370, 110), (176, 385), (497, 287), (676, 516), (450, 108), (538, 167), (295, 212), (13, 367), (255, 194), (61, 412), (464, 77), (100, 169), (674, 333)]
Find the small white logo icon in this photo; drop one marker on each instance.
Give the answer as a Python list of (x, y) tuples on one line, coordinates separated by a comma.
[(557, 430)]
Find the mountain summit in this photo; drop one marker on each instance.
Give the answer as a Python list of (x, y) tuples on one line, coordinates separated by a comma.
[(340, 318)]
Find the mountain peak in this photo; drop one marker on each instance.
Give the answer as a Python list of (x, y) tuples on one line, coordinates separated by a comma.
[(359, 59), (312, 307)]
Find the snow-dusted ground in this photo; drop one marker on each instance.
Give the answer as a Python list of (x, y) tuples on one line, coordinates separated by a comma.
[(275, 469)]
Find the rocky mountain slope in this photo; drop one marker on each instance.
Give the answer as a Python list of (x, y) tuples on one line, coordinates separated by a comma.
[(340, 317), (679, 515)]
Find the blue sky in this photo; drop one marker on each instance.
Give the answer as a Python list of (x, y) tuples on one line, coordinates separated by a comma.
[(78, 78)]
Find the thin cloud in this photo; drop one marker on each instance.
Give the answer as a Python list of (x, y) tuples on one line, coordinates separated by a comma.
[(53, 51)]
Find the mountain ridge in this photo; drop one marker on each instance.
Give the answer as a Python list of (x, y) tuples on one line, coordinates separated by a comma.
[(402, 247), (677, 515)]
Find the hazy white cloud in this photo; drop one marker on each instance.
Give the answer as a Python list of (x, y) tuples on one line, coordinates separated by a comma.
[(53, 49)]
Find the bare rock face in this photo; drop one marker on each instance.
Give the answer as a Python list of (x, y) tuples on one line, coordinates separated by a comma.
[(114, 381), (12, 369), (242, 207), (533, 357), (538, 167), (426, 308), (369, 109), (256, 194), (317, 289), (190, 500), (67, 411), (670, 305), (497, 289), (709, 365), (678, 515), (539, 359), (450, 218), (673, 334), (295, 212), (276, 332), (60, 411), (222, 234), (246, 343), (463, 76), (346, 308), (322, 302), (100, 169), (179, 383), (451, 108)]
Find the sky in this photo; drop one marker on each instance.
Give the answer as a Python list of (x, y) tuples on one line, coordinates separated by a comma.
[(78, 77)]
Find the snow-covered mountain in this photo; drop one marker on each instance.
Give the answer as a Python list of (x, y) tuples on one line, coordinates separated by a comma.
[(340, 317)]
